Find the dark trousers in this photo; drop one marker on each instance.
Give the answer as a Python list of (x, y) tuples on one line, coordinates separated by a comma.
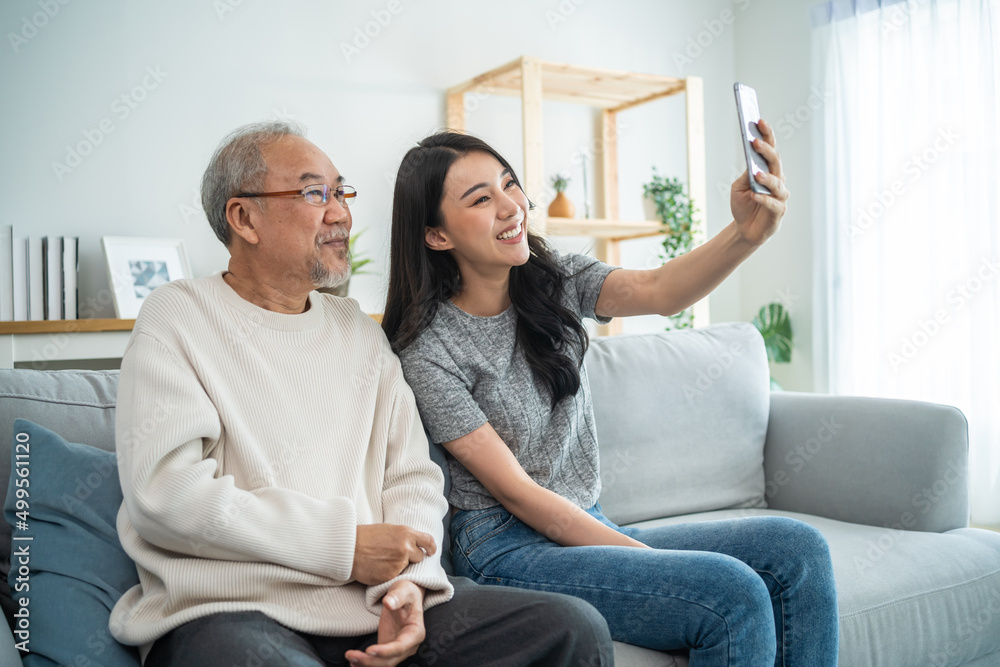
[(479, 626)]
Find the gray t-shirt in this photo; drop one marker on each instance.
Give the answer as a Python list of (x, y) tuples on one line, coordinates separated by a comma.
[(466, 370)]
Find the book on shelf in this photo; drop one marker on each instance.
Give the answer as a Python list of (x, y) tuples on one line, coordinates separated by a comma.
[(42, 277), (6, 272), (36, 279), (70, 271), (20, 266), (53, 250)]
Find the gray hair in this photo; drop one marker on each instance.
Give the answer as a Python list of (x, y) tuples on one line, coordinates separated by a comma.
[(237, 166)]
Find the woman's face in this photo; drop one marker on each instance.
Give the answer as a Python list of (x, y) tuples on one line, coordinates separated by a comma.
[(484, 216)]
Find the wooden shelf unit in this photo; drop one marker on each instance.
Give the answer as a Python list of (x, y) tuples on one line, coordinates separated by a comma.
[(65, 326), (39, 342), (612, 91)]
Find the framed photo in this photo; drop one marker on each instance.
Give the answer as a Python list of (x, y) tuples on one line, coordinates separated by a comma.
[(137, 265)]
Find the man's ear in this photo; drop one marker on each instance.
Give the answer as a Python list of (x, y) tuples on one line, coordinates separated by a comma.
[(238, 217), (436, 239)]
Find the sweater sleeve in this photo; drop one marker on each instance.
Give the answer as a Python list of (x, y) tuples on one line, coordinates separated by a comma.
[(175, 498), (412, 493)]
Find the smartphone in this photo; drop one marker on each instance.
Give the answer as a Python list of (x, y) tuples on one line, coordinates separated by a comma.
[(746, 105)]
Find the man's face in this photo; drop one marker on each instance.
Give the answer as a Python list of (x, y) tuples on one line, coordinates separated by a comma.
[(298, 240)]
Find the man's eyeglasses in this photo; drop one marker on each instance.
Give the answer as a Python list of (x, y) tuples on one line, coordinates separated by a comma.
[(317, 195)]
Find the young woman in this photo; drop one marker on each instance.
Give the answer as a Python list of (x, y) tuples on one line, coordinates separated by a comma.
[(486, 320)]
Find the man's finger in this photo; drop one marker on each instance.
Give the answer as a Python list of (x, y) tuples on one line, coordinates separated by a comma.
[(426, 542)]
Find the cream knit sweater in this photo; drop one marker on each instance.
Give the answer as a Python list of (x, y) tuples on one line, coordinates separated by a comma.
[(250, 446)]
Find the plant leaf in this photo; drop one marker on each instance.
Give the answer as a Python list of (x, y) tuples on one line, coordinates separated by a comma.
[(776, 328)]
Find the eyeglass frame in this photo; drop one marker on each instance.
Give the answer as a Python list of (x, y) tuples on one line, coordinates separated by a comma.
[(344, 199)]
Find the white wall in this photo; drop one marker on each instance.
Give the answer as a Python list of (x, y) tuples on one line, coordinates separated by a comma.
[(782, 270), (229, 62)]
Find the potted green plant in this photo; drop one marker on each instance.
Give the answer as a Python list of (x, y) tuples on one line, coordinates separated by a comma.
[(774, 324), (358, 262), (676, 211)]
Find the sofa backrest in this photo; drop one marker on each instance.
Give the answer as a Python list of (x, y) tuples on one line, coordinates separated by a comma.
[(78, 405), (681, 418)]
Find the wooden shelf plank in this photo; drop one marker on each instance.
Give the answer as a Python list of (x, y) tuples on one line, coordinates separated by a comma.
[(603, 229), (561, 82), (65, 326)]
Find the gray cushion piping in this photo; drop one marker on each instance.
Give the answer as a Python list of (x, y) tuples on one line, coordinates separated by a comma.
[(917, 596), (60, 401)]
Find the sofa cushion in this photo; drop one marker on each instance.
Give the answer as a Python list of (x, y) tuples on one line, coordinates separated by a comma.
[(68, 568), (79, 405), (681, 418), (906, 597)]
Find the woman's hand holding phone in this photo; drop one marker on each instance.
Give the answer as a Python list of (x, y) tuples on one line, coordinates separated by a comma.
[(758, 215)]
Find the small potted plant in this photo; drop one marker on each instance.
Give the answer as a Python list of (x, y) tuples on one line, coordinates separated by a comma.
[(561, 206)]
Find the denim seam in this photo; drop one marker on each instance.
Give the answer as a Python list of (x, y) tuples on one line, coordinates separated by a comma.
[(781, 599), (499, 530)]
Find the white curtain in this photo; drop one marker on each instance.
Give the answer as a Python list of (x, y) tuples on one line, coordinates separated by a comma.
[(906, 219)]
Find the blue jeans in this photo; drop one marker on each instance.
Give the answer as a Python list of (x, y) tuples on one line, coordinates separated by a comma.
[(752, 591)]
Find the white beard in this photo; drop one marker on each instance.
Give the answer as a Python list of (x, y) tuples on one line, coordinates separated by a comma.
[(323, 277)]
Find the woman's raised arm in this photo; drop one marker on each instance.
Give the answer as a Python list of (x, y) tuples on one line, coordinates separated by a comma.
[(685, 280)]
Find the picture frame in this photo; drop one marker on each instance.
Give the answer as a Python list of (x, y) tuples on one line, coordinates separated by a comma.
[(137, 265)]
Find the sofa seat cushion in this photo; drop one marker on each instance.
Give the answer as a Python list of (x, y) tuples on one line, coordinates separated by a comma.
[(627, 655), (681, 419), (905, 597)]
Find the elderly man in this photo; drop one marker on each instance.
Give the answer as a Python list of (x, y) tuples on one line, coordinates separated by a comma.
[(280, 503)]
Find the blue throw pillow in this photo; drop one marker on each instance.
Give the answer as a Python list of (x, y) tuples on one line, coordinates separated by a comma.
[(68, 568)]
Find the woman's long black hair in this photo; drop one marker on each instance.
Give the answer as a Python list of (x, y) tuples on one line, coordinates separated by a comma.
[(421, 278)]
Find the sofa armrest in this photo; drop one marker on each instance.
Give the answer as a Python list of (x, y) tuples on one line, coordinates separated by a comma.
[(875, 461)]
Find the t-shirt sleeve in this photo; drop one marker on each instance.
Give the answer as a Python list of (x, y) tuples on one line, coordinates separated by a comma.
[(584, 280), (443, 393)]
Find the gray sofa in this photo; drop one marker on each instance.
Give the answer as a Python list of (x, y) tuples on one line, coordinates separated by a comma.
[(690, 431)]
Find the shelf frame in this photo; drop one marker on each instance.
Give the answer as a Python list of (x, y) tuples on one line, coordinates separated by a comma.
[(612, 91)]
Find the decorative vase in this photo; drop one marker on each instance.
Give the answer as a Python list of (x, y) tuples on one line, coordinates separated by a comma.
[(561, 207)]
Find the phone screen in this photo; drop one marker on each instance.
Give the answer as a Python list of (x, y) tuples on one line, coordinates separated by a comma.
[(746, 105)]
